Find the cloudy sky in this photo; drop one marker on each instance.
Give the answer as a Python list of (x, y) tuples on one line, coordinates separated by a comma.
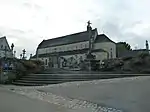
[(27, 22)]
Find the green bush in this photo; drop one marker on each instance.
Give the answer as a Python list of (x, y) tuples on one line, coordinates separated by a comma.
[(126, 58), (143, 55), (29, 64)]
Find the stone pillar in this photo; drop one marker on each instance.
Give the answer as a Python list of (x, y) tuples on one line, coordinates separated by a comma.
[(147, 46), (89, 30)]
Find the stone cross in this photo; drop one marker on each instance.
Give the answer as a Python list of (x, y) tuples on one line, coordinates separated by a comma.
[(89, 23), (89, 29)]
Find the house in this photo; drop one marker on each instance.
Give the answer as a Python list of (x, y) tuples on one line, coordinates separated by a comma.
[(5, 50), (71, 50)]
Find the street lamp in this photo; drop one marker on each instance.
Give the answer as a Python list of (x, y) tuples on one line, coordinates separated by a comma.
[(20, 56), (14, 54), (24, 51), (30, 56)]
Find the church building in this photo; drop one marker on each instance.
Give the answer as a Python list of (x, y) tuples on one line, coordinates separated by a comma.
[(71, 50)]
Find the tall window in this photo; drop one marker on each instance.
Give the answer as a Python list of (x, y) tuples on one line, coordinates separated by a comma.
[(76, 47), (45, 61), (60, 49), (49, 50), (85, 45), (5, 47), (111, 54), (55, 49), (81, 46)]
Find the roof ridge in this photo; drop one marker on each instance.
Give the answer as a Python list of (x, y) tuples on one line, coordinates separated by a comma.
[(69, 35), (2, 37), (106, 37), (65, 35)]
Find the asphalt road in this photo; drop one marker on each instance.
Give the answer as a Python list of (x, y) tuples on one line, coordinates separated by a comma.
[(11, 102), (129, 94)]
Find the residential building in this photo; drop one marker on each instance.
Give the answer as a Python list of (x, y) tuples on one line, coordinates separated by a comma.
[(5, 50)]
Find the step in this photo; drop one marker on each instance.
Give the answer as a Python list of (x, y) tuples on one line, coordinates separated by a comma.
[(73, 76), (54, 79), (40, 82), (64, 76), (27, 84), (41, 76)]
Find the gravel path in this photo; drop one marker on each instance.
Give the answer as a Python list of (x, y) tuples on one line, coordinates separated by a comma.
[(74, 104)]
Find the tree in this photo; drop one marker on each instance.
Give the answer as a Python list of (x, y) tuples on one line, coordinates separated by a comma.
[(122, 47)]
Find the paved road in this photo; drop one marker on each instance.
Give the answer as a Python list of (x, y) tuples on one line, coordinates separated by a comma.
[(11, 102), (129, 94)]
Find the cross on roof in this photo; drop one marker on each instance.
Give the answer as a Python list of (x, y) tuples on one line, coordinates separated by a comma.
[(89, 22), (24, 50)]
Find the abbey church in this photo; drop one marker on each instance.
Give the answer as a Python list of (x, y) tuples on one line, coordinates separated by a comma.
[(71, 50)]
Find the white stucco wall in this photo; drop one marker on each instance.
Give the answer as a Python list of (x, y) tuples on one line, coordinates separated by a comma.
[(100, 55), (107, 46), (44, 60), (77, 56)]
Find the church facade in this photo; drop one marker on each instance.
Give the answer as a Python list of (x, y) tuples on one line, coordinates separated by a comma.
[(71, 50)]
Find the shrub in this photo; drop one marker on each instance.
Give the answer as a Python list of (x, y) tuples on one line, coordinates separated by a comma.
[(143, 55), (29, 64), (126, 58)]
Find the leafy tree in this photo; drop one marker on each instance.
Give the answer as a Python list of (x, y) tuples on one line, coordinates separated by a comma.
[(122, 47)]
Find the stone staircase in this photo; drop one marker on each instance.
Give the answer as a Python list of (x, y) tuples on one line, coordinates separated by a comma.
[(45, 79)]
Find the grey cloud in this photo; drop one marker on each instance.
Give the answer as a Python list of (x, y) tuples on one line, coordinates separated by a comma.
[(117, 30), (4, 30), (37, 6), (32, 5), (17, 31), (21, 39), (27, 5)]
